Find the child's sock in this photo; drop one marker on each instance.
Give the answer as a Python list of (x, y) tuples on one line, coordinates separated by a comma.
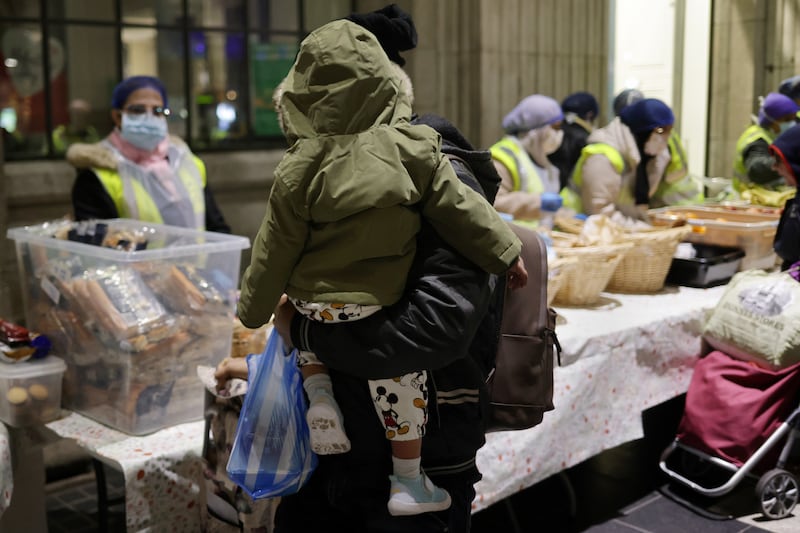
[(317, 383), (406, 468), (325, 421)]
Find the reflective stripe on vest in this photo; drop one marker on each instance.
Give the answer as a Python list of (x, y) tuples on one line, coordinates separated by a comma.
[(571, 194), (524, 176), (677, 187), (686, 191), (132, 199), (678, 161), (750, 135)]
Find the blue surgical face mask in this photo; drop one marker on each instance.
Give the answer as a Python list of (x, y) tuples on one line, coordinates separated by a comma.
[(143, 131), (786, 125)]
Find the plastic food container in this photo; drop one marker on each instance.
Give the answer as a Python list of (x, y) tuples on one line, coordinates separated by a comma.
[(748, 209), (132, 324), (751, 232), (31, 391), (711, 266)]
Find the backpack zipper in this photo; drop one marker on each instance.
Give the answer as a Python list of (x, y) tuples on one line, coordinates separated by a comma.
[(551, 334)]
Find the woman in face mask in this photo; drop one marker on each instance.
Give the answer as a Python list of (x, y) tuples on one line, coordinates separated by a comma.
[(677, 186), (139, 171), (532, 132), (753, 163), (618, 173)]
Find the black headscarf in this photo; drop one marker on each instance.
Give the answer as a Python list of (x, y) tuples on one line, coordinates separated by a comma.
[(641, 191), (642, 118)]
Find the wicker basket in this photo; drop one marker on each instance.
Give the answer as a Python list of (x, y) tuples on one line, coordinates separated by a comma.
[(644, 269), (564, 240), (557, 271), (568, 224), (593, 269)]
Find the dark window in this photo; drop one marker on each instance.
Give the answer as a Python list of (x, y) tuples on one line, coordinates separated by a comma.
[(220, 62)]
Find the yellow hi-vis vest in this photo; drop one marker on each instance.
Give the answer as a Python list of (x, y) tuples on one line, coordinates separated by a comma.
[(571, 194), (133, 200), (750, 135), (677, 187), (523, 173)]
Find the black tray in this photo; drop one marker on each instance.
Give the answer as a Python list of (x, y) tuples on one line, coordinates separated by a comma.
[(711, 266)]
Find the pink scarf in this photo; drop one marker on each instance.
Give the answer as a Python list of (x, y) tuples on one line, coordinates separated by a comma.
[(155, 161)]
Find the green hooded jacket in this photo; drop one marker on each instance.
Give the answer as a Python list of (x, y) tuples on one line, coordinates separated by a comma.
[(349, 195)]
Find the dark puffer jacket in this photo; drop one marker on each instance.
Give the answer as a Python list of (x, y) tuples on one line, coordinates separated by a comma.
[(447, 322)]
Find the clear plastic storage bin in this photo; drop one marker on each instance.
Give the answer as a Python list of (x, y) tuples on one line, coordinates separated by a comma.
[(131, 322), (31, 391)]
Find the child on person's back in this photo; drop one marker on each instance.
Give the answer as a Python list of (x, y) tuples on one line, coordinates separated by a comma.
[(340, 229)]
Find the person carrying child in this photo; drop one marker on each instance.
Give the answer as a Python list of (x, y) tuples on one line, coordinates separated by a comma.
[(340, 229)]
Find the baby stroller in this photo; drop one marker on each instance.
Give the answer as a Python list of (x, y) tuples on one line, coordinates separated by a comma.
[(740, 421)]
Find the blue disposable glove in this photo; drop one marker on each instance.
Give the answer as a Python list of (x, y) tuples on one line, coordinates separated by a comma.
[(551, 201)]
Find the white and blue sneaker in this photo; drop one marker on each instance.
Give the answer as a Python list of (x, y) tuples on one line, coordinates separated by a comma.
[(416, 496), (325, 426)]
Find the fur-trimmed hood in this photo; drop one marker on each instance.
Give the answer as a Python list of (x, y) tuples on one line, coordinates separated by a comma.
[(98, 155)]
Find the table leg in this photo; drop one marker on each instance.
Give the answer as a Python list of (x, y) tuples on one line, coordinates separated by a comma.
[(28, 510), (103, 502)]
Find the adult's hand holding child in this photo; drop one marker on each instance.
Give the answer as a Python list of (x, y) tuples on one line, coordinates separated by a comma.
[(517, 275), (282, 320)]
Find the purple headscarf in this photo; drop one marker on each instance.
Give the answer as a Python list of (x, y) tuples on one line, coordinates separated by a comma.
[(132, 84), (775, 107), (531, 113)]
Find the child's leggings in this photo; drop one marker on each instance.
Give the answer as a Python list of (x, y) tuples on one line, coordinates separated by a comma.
[(402, 402)]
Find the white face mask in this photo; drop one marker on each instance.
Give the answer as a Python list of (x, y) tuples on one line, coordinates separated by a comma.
[(786, 125), (552, 140), (656, 143), (144, 131)]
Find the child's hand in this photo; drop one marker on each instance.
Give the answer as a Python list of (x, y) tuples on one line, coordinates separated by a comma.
[(517, 275), (229, 368)]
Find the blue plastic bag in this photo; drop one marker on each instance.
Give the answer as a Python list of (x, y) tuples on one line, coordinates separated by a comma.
[(271, 454)]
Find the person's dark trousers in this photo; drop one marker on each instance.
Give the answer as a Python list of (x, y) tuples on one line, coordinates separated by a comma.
[(312, 510), (349, 492)]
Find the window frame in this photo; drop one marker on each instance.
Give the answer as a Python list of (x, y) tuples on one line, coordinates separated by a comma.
[(250, 141)]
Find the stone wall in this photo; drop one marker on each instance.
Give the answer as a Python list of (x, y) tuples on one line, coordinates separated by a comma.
[(476, 59), (755, 45)]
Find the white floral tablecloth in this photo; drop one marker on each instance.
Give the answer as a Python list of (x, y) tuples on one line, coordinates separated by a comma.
[(624, 355), (163, 470), (6, 471)]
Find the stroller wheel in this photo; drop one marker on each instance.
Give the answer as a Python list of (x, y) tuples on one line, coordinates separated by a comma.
[(777, 493)]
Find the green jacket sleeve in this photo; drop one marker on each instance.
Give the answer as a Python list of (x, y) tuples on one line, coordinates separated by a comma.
[(467, 222), (276, 250)]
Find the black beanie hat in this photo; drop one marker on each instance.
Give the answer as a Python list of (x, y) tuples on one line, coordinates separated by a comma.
[(582, 104), (393, 28)]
